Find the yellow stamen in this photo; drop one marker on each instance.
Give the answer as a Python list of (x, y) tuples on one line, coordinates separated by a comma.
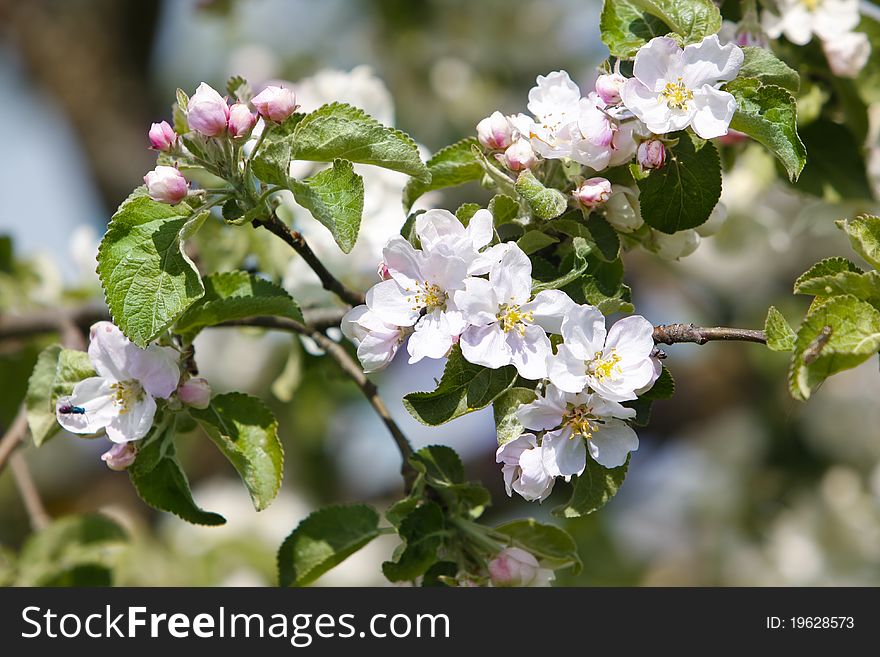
[(676, 95), (430, 297), (512, 318), (605, 367), (581, 421), (125, 394)]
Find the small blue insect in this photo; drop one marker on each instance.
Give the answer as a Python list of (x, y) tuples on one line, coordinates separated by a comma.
[(70, 409)]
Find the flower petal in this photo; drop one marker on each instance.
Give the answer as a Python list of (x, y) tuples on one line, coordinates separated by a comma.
[(93, 395), (110, 351), (542, 414), (631, 335), (534, 482), (157, 369), (135, 424), (404, 263), (439, 227), (583, 330), (713, 112), (529, 352), (391, 303), (708, 62), (486, 346), (481, 229), (564, 454), (512, 277), (549, 308), (477, 301), (432, 337), (612, 443), (566, 370), (657, 62)]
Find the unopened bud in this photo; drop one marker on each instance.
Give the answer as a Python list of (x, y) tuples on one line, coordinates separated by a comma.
[(120, 456), (195, 392), (275, 103), (241, 120), (383, 272), (651, 154), (609, 86), (519, 156), (207, 112), (593, 192), (516, 567), (166, 185), (495, 132), (162, 136)]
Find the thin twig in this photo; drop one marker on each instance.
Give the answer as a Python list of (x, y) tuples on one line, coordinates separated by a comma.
[(13, 437), (297, 242), (676, 333), (33, 504)]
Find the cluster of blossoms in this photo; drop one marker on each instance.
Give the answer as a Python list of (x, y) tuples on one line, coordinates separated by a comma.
[(457, 289), (122, 399), (209, 115)]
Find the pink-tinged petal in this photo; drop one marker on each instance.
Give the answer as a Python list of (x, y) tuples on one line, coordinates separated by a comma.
[(351, 326), (157, 369), (110, 351), (713, 112), (404, 263), (391, 303), (432, 338), (436, 227), (477, 302), (529, 352), (510, 452), (486, 346), (542, 414), (375, 352), (564, 454), (549, 308), (448, 272), (631, 335), (567, 371), (512, 278), (656, 371), (134, 424), (708, 62), (583, 330), (95, 397), (481, 229), (612, 443), (657, 62), (534, 482)]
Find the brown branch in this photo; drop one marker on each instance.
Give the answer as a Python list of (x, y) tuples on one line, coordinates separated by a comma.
[(27, 488), (13, 437), (677, 333), (297, 242)]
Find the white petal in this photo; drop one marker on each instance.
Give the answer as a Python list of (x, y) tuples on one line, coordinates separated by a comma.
[(601, 407), (529, 352), (431, 339), (404, 263), (448, 272), (135, 424), (657, 62), (564, 454), (583, 331), (110, 351), (483, 262), (486, 346), (549, 308), (612, 443), (481, 229), (510, 452), (390, 302), (93, 395), (566, 370), (633, 335), (351, 326), (376, 352), (708, 62), (157, 369), (436, 227), (541, 415), (647, 106), (477, 302), (834, 18), (713, 112), (512, 277), (534, 482)]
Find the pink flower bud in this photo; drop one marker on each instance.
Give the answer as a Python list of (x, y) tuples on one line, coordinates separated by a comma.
[(162, 136), (166, 185), (651, 154), (519, 156), (515, 567), (592, 192), (383, 272), (208, 112), (195, 392), (495, 132), (120, 456), (732, 137), (275, 103), (241, 120), (608, 87)]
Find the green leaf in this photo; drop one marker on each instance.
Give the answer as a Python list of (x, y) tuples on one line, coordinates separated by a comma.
[(148, 280), (504, 209), (691, 19), (464, 388), (466, 212), (323, 540), (553, 547), (605, 238), (450, 166), (535, 240), (236, 295), (507, 425), (762, 65), (837, 334), (768, 114), (56, 373), (238, 88), (440, 464), (836, 276), (864, 236), (246, 432), (161, 483), (337, 131), (625, 27), (683, 193), (423, 531), (579, 266), (592, 490), (836, 169), (545, 202), (335, 197), (663, 388), (780, 336), (73, 550), (823, 270)]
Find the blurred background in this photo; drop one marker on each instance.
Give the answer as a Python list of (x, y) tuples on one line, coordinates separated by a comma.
[(734, 483)]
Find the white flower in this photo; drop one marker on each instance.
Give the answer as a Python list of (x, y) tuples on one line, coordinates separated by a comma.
[(675, 246), (514, 566), (122, 398), (576, 423), (617, 365), (523, 468), (847, 54), (376, 340), (799, 20), (555, 103), (505, 325), (622, 209), (674, 88), (420, 294), (440, 231)]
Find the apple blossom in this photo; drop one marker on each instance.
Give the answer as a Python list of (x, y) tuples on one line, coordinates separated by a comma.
[(241, 120), (162, 136), (651, 154), (675, 246), (847, 53), (592, 192), (617, 364), (799, 20), (608, 87), (120, 456), (377, 341), (495, 132), (166, 185), (207, 112), (195, 392), (275, 103), (674, 88), (622, 209), (505, 324), (440, 230), (576, 423), (555, 102), (122, 398), (523, 468), (519, 156), (514, 566)]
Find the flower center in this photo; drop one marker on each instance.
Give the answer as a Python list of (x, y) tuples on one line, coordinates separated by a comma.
[(430, 297), (605, 367), (512, 318), (581, 421), (676, 95), (811, 5), (126, 394)]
